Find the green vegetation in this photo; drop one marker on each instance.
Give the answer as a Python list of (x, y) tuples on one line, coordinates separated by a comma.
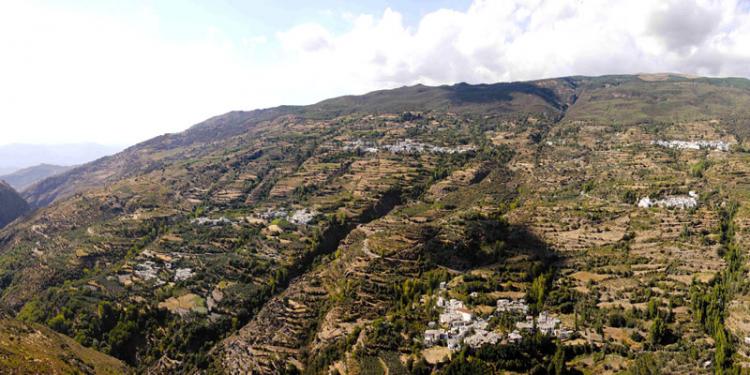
[(697, 169), (317, 238), (709, 303), (52, 352)]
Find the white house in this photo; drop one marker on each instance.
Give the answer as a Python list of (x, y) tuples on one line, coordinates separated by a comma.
[(465, 314), (482, 337), (563, 334), (434, 336), (526, 324), (518, 307), (453, 304), (546, 324), (514, 336), (449, 317), (645, 202)]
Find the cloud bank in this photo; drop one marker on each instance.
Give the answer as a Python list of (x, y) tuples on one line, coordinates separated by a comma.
[(73, 76), (528, 39)]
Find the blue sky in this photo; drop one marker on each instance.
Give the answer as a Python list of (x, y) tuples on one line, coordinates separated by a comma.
[(267, 17), (186, 20), (119, 72)]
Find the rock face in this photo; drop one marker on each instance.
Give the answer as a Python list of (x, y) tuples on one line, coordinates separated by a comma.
[(11, 204)]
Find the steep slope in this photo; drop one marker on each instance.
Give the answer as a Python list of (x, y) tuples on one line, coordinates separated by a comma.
[(314, 238), (669, 99), (26, 177), (12, 205), (34, 349), (373, 301), (542, 99), (362, 283), (126, 243)]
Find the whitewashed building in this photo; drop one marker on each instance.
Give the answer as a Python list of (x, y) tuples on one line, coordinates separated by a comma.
[(434, 336)]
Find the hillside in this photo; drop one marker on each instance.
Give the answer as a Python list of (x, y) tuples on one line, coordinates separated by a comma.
[(21, 179), (11, 204), (503, 98), (390, 233), (34, 349)]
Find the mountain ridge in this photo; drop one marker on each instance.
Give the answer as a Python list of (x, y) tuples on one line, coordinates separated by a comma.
[(23, 178), (556, 101), (317, 238), (12, 205)]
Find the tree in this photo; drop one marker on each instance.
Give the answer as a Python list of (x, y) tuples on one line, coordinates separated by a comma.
[(341, 217), (120, 337), (557, 366), (462, 365), (629, 197), (697, 169), (107, 316), (538, 291), (645, 364), (59, 323), (723, 351), (653, 308), (657, 332)]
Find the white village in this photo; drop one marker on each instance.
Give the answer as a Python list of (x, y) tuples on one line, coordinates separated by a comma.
[(694, 145), (676, 201), (406, 146), (458, 326)]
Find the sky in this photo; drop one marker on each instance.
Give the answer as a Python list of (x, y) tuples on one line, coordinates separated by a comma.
[(119, 72)]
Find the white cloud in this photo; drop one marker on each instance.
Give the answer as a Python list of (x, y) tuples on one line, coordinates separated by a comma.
[(71, 76), (527, 39), (683, 24), (309, 37)]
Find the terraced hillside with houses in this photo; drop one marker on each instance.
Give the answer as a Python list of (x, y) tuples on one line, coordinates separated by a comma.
[(575, 225)]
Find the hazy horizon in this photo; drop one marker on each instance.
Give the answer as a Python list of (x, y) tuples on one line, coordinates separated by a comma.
[(17, 156)]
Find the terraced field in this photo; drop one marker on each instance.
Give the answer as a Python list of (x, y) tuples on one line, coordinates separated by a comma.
[(337, 237)]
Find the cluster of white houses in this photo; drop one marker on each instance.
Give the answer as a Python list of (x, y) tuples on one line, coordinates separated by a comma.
[(151, 271), (677, 201), (545, 324), (299, 217), (302, 216), (458, 326), (694, 145), (406, 146), (513, 306), (211, 222)]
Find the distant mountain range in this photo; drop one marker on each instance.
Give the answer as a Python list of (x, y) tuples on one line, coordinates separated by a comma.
[(26, 177), (18, 156)]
